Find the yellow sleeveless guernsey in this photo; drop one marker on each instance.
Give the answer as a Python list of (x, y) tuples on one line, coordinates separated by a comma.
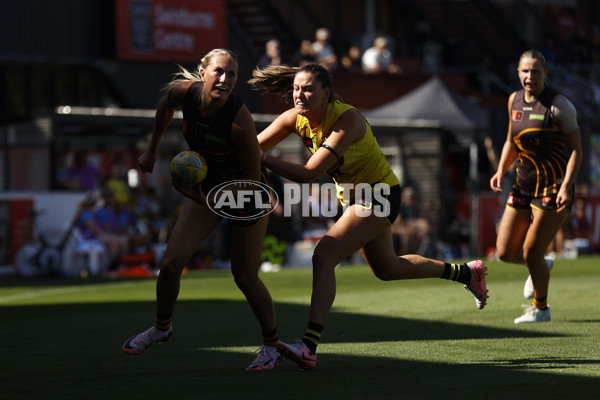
[(363, 161)]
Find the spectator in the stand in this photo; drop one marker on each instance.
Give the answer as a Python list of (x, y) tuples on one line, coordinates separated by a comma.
[(85, 223), (61, 171), (151, 213), (138, 235), (352, 60), (106, 221), (116, 182), (86, 234), (379, 58), (409, 229), (272, 54), (324, 51), (97, 222), (305, 55), (81, 175), (580, 223)]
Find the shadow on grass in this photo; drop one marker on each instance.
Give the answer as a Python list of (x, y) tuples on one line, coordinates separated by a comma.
[(540, 363), (73, 351), (584, 321)]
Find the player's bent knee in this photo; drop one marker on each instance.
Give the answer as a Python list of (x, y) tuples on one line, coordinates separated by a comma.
[(384, 275), (506, 256), (245, 281), (320, 260)]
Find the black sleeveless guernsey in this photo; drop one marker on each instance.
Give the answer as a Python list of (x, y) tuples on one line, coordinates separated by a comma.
[(211, 137)]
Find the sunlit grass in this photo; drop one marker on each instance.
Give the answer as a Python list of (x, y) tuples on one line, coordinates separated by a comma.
[(408, 339)]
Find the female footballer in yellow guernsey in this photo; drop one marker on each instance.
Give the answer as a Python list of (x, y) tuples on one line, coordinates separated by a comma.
[(342, 145), (542, 123)]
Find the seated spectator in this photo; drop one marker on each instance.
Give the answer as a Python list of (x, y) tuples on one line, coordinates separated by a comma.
[(352, 60), (80, 175), (580, 221), (151, 214), (324, 52), (379, 59), (410, 230), (116, 181), (62, 165), (85, 223), (305, 55), (272, 54), (129, 224), (86, 236), (106, 227)]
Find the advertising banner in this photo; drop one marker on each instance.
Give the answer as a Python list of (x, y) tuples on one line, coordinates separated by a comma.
[(169, 30)]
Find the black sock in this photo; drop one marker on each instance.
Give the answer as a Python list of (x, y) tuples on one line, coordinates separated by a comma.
[(457, 272), (312, 336), (541, 302)]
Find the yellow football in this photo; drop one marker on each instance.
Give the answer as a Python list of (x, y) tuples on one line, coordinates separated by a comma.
[(189, 168)]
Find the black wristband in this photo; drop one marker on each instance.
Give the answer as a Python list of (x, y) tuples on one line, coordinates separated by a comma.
[(331, 150)]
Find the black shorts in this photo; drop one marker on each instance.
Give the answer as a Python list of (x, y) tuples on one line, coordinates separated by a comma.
[(519, 201), (244, 220), (384, 205)]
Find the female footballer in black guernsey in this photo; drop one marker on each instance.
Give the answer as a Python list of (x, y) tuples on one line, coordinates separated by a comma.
[(543, 136), (219, 126), (342, 145)]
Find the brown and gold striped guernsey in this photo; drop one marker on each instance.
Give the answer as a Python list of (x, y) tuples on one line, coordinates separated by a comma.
[(540, 145)]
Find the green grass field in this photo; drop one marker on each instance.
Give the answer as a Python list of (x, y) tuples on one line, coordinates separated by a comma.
[(61, 339)]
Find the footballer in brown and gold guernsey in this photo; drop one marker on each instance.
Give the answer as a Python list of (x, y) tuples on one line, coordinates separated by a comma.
[(540, 144)]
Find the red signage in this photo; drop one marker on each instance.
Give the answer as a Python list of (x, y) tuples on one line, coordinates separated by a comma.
[(169, 30)]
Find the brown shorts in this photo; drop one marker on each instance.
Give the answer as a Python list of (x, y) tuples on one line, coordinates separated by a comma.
[(519, 201)]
